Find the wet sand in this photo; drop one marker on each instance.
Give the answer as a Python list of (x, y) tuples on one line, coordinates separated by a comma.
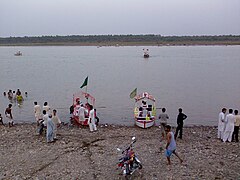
[(79, 154)]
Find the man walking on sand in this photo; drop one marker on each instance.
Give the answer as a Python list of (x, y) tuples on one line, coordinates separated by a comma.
[(171, 145), (221, 123), (230, 120), (180, 118)]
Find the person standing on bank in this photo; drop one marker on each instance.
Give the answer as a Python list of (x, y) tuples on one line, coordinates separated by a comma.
[(91, 120), (230, 120), (37, 112), (50, 129), (221, 123), (163, 117), (8, 113), (236, 126), (180, 118), (46, 107), (56, 121)]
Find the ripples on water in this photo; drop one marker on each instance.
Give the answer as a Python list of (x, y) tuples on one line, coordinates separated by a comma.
[(200, 79)]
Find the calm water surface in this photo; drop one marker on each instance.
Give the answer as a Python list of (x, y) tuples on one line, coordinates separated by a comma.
[(200, 79)]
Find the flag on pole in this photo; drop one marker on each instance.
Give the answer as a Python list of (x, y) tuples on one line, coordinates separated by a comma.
[(133, 93), (85, 82)]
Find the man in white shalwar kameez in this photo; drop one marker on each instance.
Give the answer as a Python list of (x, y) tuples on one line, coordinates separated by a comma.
[(56, 121), (221, 123), (230, 120), (91, 120), (37, 112)]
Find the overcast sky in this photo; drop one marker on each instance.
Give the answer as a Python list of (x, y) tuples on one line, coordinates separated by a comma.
[(88, 17)]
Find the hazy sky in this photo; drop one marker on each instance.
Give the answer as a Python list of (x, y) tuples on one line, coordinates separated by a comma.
[(88, 17)]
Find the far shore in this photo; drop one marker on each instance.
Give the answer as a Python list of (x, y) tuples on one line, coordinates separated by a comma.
[(117, 44), (79, 154)]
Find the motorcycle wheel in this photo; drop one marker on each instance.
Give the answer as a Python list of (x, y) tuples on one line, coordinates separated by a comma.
[(139, 166)]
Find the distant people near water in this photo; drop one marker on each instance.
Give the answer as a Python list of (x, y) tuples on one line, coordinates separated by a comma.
[(26, 94), (46, 107), (236, 126), (171, 145), (14, 95), (18, 93), (37, 112), (230, 120), (163, 117), (4, 93), (91, 119), (180, 118), (19, 99), (8, 113), (10, 94), (56, 121), (50, 129), (1, 119), (221, 123)]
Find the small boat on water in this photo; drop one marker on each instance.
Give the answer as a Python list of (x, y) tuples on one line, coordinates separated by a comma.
[(145, 53), (145, 113), (18, 53), (82, 98)]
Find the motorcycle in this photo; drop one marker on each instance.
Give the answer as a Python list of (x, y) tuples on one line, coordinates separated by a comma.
[(129, 163)]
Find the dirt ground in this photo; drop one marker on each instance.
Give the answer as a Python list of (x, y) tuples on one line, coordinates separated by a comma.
[(79, 154)]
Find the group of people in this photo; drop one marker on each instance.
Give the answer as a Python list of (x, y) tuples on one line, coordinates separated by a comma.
[(82, 112), (47, 119), (15, 95), (163, 117), (228, 125), (170, 136), (145, 111)]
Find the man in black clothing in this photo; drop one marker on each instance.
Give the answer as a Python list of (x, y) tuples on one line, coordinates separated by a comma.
[(180, 119)]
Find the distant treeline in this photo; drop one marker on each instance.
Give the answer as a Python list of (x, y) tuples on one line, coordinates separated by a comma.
[(121, 40)]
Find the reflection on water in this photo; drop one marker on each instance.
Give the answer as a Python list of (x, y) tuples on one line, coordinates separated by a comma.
[(200, 79)]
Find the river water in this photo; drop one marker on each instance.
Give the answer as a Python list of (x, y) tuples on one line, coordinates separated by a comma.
[(200, 79)]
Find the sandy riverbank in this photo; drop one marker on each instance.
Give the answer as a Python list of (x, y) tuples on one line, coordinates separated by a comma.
[(78, 154)]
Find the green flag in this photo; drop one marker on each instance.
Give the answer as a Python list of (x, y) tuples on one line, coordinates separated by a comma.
[(85, 82), (133, 93)]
